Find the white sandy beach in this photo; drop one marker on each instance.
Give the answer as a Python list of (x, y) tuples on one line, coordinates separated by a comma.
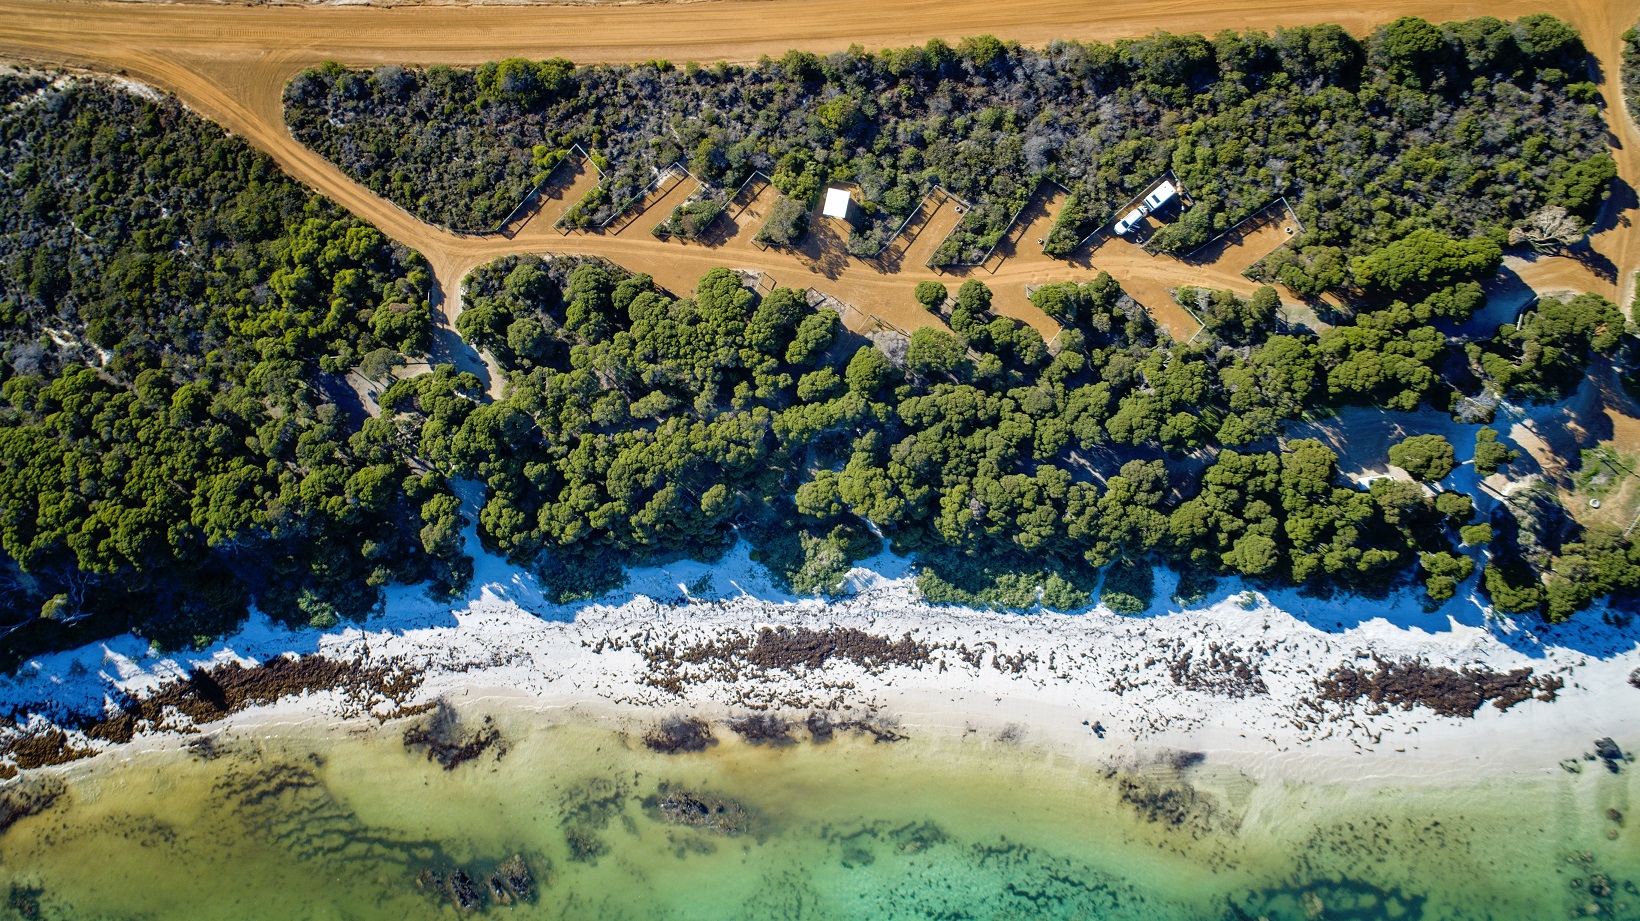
[(1043, 680)]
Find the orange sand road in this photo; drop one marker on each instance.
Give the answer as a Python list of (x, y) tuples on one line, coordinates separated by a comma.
[(231, 63)]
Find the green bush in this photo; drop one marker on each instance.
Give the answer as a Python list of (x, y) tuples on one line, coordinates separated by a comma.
[(1427, 457), (931, 294), (1490, 454)]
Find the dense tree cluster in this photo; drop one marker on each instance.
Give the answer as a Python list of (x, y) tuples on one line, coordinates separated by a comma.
[(1425, 457), (1491, 454), (637, 425), (174, 315), (177, 440), (1471, 127), (1546, 355), (1558, 578)]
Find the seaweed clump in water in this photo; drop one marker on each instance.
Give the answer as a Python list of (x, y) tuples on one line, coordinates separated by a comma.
[(822, 728), (28, 797), (1176, 804), (680, 734), (1335, 900), (697, 809), (588, 809), (444, 739), (510, 882), (25, 900), (763, 729)]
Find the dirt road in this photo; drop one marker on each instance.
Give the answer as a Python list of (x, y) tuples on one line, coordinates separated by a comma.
[(231, 63)]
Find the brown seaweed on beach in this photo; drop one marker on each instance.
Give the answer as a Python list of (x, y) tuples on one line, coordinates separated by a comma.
[(1447, 691), (788, 648), (738, 657), (41, 746), (1221, 671), (208, 695)]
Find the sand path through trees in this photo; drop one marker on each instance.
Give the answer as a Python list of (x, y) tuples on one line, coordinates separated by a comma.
[(231, 63)]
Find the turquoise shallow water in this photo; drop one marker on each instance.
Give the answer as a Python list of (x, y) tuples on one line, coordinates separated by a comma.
[(339, 827)]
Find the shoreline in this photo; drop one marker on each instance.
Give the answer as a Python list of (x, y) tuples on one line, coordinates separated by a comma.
[(1250, 687)]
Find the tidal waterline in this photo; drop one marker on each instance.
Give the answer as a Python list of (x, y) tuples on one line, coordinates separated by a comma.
[(293, 824)]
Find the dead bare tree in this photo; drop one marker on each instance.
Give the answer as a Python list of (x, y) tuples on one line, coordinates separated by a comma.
[(1548, 229)]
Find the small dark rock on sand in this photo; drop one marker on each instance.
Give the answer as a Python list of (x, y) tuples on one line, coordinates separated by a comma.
[(680, 734), (511, 882), (463, 891), (1634, 678), (513, 876), (1608, 751)]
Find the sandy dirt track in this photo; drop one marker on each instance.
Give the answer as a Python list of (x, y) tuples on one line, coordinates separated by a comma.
[(231, 62)]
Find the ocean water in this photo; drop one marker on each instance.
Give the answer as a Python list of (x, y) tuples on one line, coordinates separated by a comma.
[(282, 824)]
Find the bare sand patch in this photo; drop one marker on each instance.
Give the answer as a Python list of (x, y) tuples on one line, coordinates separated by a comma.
[(917, 242), (1259, 237)]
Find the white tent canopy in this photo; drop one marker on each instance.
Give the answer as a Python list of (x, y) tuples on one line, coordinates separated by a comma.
[(837, 202)]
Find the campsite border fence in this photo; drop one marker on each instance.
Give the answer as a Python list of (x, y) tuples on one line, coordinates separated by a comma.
[(1110, 221), (767, 179), (1256, 215), (923, 203), (676, 167), (1006, 230), (824, 300), (535, 190)]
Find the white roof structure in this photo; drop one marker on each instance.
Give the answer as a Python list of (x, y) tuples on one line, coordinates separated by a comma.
[(837, 202), (1164, 193)]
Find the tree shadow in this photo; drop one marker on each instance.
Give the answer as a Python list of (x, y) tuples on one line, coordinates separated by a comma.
[(824, 251), (1596, 262), (448, 348), (1507, 294), (1621, 199), (338, 391)]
